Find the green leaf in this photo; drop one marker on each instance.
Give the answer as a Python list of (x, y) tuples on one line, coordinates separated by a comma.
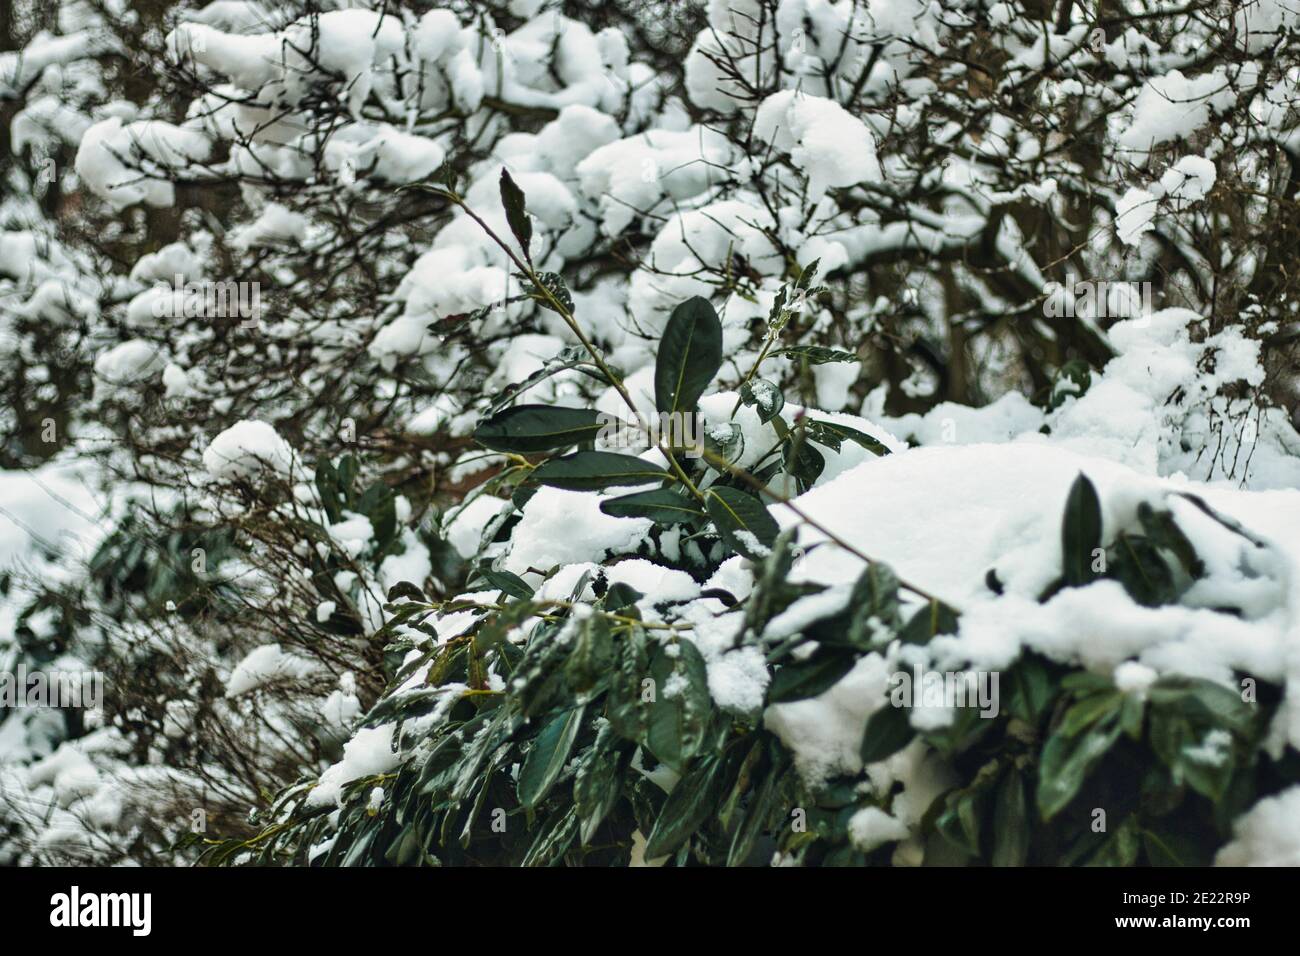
[(799, 680), (598, 783), (348, 471), (1164, 532), (661, 505), (690, 354), (554, 840), (512, 198), (1080, 532), (757, 815), (1204, 702), (1166, 846), (553, 283), (626, 710), (506, 581), (1011, 824), (620, 595), (960, 822), (764, 396), (407, 590), (525, 429), (383, 519), (592, 654), (742, 520), (1031, 689), (874, 598), (817, 354), (833, 435), (547, 757), (1122, 847), (1087, 711), (327, 485), (679, 714), (595, 470), (933, 619), (692, 801), (725, 442), (1138, 565), (1067, 761), (807, 274), (804, 462), (888, 731)]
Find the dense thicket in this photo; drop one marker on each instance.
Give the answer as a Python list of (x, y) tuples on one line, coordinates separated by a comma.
[(313, 315)]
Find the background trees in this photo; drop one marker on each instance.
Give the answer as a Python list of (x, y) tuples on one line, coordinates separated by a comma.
[(952, 170)]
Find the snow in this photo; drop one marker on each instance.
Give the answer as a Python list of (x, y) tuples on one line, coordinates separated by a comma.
[(825, 732), (412, 564), (1134, 215), (1174, 106), (266, 665), (565, 527), (129, 362), (738, 679), (871, 827), (51, 507), (864, 135), (1190, 179), (1266, 835), (831, 146), (465, 529), (370, 751), (247, 449), (111, 153), (274, 224)]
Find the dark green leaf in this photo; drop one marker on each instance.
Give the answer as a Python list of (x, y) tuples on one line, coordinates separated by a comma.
[(1081, 532), (764, 396), (1011, 822), (512, 198), (755, 822), (661, 505), (554, 839), (690, 354), (817, 354), (679, 714), (595, 470), (506, 581), (798, 680), (525, 429), (742, 521), (547, 757), (1121, 849), (833, 435), (692, 800), (598, 783), (888, 731), (873, 602), (327, 485), (405, 589), (553, 283), (935, 618), (1067, 761), (1138, 565), (621, 595)]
